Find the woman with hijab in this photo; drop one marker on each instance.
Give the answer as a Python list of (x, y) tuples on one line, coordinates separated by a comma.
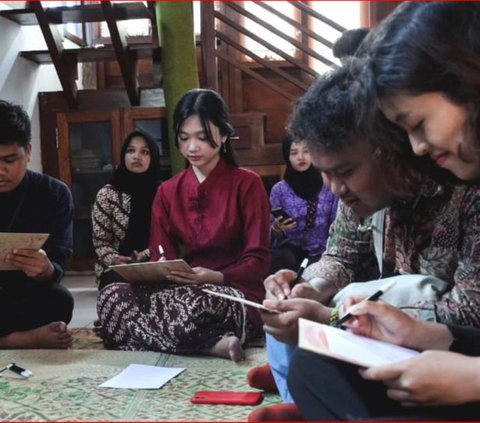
[(310, 208), (122, 210)]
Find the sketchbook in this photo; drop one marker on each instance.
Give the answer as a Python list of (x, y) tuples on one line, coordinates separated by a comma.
[(346, 346), (9, 241), (150, 272)]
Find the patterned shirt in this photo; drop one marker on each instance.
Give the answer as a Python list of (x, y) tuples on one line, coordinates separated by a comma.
[(110, 217), (314, 239), (436, 233)]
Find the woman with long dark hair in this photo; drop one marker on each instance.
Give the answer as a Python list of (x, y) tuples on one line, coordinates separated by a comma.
[(215, 216)]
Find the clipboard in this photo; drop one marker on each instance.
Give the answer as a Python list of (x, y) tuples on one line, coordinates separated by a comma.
[(151, 271), (347, 346), (10, 240)]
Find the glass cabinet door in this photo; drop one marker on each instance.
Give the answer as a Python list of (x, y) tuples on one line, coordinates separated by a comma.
[(89, 149)]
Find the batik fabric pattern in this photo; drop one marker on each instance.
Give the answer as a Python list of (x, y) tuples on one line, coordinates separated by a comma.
[(221, 224), (110, 217), (436, 233)]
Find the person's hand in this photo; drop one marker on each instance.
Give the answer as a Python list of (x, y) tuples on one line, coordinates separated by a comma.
[(281, 225), (305, 290), (118, 259), (432, 378), (142, 256), (200, 275), (277, 286), (379, 320), (284, 325), (34, 263)]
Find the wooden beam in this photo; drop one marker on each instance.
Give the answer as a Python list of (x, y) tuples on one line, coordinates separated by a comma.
[(208, 44), (268, 45), (127, 62), (266, 63), (254, 75), (66, 69)]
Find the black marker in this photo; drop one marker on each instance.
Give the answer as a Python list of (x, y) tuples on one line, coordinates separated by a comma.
[(18, 370), (374, 297)]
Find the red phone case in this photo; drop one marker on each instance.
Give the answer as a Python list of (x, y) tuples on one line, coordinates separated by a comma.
[(227, 397)]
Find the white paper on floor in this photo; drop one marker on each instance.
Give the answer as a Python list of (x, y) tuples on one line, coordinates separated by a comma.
[(140, 376)]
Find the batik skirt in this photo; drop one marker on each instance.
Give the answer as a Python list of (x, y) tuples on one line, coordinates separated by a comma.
[(178, 319)]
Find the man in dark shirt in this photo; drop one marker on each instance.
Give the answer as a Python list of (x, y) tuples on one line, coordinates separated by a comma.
[(34, 308)]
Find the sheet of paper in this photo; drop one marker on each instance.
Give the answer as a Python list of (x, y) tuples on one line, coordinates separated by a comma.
[(240, 300), (140, 376), (347, 346), (9, 241), (152, 271)]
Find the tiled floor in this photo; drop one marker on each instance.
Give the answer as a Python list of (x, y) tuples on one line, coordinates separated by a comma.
[(84, 291)]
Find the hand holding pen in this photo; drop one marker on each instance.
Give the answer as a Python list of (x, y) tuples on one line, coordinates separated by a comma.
[(374, 297), (298, 278), (300, 271)]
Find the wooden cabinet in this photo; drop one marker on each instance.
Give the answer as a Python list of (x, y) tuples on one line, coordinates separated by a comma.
[(89, 145)]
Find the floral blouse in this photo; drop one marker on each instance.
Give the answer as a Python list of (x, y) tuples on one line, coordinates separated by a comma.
[(436, 233)]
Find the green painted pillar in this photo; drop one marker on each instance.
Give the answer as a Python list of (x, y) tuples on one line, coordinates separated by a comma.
[(179, 62)]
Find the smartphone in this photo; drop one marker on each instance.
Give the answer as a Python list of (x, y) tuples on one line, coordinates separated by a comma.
[(227, 397), (281, 213)]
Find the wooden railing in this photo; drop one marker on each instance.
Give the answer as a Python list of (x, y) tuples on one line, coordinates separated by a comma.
[(221, 40)]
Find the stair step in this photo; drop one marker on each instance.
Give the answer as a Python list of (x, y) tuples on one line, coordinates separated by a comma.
[(79, 14), (91, 54)]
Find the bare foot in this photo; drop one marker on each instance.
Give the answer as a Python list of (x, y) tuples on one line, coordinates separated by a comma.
[(228, 347), (52, 335)]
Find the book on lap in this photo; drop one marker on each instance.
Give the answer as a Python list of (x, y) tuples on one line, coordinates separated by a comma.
[(9, 241), (150, 272), (347, 346)]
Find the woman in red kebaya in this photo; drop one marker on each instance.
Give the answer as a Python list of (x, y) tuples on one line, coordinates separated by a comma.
[(216, 217)]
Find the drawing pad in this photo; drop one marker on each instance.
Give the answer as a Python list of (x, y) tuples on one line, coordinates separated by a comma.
[(9, 241), (150, 272)]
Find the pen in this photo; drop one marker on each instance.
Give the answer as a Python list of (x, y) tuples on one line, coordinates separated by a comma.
[(18, 370), (160, 250), (374, 297), (300, 271)]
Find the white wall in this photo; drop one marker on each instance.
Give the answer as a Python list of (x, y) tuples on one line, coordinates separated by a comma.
[(20, 79)]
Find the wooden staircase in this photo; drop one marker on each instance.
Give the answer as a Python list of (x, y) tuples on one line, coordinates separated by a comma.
[(125, 52)]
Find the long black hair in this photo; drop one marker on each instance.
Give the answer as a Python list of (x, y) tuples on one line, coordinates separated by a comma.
[(209, 106), (425, 47), (329, 117)]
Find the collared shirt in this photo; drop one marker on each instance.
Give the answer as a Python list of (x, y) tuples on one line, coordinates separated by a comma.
[(436, 233), (220, 224), (45, 206)]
